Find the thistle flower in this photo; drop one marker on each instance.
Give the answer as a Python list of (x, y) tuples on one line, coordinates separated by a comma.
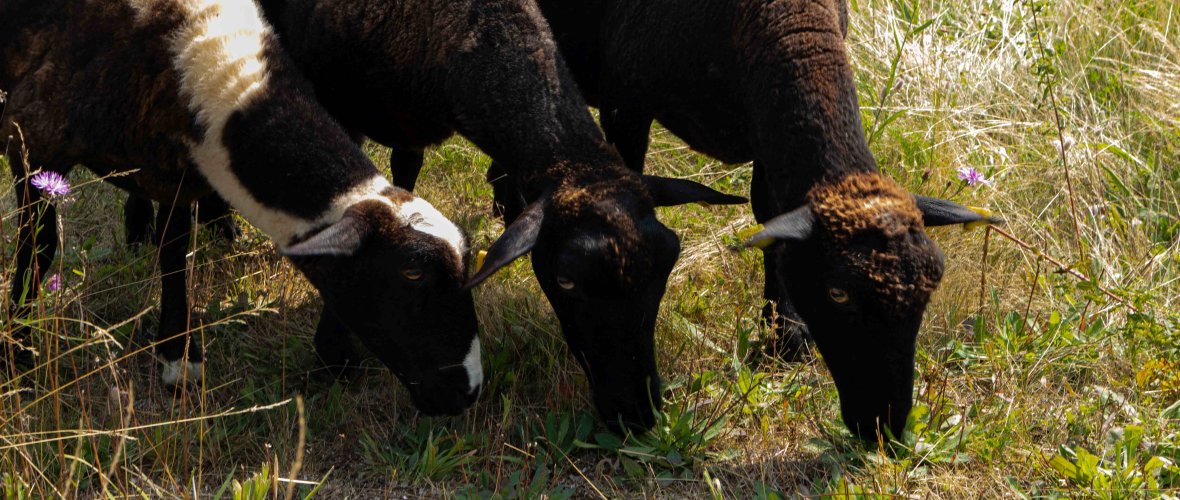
[(972, 176), (54, 283), (51, 183)]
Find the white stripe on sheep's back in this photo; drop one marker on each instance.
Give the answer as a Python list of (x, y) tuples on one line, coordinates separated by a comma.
[(218, 53)]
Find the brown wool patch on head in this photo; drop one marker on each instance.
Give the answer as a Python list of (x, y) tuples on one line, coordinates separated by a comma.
[(875, 226), (587, 200), (862, 201)]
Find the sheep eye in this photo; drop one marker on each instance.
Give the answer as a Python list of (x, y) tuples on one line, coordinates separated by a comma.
[(565, 283), (838, 295), (412, 274)]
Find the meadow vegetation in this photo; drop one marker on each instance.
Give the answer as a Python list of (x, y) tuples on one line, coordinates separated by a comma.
[(1048, 364)]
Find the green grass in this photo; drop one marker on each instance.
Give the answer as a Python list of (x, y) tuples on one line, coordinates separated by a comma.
[(1031, 382)]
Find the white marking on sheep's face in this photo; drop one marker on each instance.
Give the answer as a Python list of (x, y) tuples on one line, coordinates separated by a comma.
[(182, 372), (422, 216)]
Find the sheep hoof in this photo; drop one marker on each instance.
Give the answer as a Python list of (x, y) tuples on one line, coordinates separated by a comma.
[(179, 373)]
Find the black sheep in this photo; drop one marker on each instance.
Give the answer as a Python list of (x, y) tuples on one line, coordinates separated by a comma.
[(186, 95), (408, 74), (769, 82)]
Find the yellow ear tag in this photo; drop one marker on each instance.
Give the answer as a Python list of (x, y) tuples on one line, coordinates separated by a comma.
[(983, 212), (704, 204), (479, 257)]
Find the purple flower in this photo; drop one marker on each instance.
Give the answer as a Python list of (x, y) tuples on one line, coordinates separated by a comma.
[(972, 176), (54, 283), (51, 183)]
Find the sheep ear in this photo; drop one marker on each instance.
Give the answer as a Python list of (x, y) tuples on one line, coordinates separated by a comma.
[(342, 238), (940, 212), (667, 192), (795, 225), (517, 240)]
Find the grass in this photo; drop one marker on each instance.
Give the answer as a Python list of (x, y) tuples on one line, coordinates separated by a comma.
[(1032, 382)]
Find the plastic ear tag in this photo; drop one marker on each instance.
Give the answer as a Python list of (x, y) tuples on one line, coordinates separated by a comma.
[(479, 258), (704, 204), (983, 212)]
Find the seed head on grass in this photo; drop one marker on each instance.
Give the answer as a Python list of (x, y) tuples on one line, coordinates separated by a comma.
[(51, 183)]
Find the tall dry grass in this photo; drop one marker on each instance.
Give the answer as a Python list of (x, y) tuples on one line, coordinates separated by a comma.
[(1032, 381)]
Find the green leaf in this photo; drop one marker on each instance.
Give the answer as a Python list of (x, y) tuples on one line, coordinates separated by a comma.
[(632, 468), (608, 441), (1064, 466), (1171, 412)]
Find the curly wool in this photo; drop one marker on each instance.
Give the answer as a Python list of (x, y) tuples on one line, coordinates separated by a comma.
[(875, 225), (588, 198)]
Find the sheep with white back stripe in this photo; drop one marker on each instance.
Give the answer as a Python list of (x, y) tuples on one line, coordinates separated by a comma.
[(409, 73), (196, 94)]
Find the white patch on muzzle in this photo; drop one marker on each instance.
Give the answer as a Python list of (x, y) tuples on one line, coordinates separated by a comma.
[(180, 371), (474, 368)]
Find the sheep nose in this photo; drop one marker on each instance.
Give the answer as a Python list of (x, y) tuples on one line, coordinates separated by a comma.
[(468, 374), (474, 367)]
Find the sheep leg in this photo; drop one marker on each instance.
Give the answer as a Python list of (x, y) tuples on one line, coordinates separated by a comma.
[(177, 348), (507, 201), (791, 337), (36, 246), (405, 164), (628, 131), (334, 346), (138, 217), (213, 213)]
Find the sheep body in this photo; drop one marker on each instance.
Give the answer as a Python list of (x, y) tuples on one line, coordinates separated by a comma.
[(408, 74), (201, 95), (770, 82)]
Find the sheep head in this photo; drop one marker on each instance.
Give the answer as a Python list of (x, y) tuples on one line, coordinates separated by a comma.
[(603, 260), (392, 274), (857, 265)]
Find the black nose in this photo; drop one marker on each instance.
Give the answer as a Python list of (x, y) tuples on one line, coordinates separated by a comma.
[(871, 425), (637, 425), (447, 402), (447, 392), (620, 415)]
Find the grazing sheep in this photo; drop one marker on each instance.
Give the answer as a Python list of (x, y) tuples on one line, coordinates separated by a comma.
[(181, 95), (408, 74), (769, 82)]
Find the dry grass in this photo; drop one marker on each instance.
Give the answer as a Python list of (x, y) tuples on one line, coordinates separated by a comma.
[(1023, 369)]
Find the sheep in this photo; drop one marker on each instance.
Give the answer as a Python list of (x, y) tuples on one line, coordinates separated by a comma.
[(202, 97), (769, 82), (409, 74)]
